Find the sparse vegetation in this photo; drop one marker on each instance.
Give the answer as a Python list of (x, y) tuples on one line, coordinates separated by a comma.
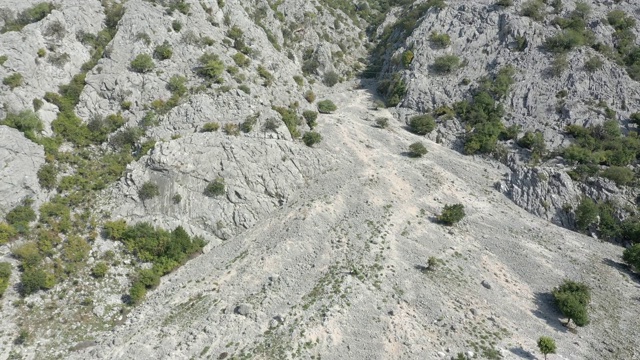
[(13, 81), (215, 188), (533, 9), (210, 127), (143, 63), (439, 40), (28, 16), (211, 67)]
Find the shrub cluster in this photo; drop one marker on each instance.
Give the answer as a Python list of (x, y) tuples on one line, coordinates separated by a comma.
[(28, 16), (311, 137), (439, 40), (165, 250), (422, 124), (211, 67), (326, 107), (572, 299), (163, 51), (290, 119), (148, 190), (310, 116), (13, 81), (26, 122)]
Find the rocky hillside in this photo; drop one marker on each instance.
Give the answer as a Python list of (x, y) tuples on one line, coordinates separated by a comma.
[(176, 184)]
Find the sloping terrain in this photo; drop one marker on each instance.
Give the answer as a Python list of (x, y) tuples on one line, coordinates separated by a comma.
[(337, 270)]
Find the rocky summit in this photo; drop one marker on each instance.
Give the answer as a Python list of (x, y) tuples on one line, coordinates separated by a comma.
[(280, 179)]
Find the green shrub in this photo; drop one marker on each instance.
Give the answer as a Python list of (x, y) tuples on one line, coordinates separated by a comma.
[(266, 75), (446, 64), (326, 106), (177, 85), (148, 190), (618, 174), (248, 123), (533, 9), (586, 213), (439, 40), (211, 67), (163, 51), (407, 58), (632, 256), (210, 127), (13, 81), (244, 88), (393, 89), (331, 78), (41, 53), (310, 96), (310, 116), (143, 63), (298, 79), (26, 122), (417, 149), (56, 214), (34, 279), (20, 216), (382, 122), (137, 292), (7, 233), (533, 141), (176, 25), (620, 21), (422, 124), (593, 64), (177, 198), (565, 41), (47, 176), (451, 214), (231, 129), (3, 59), (572, 299), (99, 270), (5, 275), (311, 137), (241, 60), (215, 188), (75, 249), (504, 3)]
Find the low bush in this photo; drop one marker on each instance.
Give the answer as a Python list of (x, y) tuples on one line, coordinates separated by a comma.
[(5, 275), (439, 40), (26, 122), (211, 67), (215, 188), (177, 85), (266, 75), (99, 270), (163, 51), (572, 299), (20, 216), (210, 127), (13, 81), (326, 107), (407, 58), (143, 63), (290, 119), (331, 78), (231, 129), (632, 256), (311, 137), (451, 214), (47, 176), (148, 190), (310, 116), (28, 16), (504, 3), (422, 124), (176, 25), (382, 122), (417, 150), (7, 233), (619, 174), (593, 64), (247, 125), (533, 9), (310, 96), (241, 60), (446, 64)]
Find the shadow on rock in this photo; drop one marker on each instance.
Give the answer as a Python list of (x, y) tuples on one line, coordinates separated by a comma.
[(547, 311), (522, 353), (623, 268)]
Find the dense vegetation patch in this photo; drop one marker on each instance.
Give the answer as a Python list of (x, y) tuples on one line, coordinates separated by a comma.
[(28, 16), (572, 299), (451, 214)]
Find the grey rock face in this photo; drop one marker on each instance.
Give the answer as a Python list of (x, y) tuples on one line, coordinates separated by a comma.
[(20, 160)]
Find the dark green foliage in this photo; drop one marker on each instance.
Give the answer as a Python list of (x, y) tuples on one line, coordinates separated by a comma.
[(586, 213), (176, 25), (211, 67), (290, 119), (26, 122), (572, 299), (56, 215), (601, 144), (143, 63), (504, 3), (533, 9), (422, 124), (446, 64), (439, 40), (248, 123), (382, 122), (28, 16), (163, 51), (593, 64), (47, 176), (326, 106), (451, 214), (565, 41), (631, 256), (33, 279), (392, 89), (310, 116), (20, 216), (13, 81), (533, 142), (331, 78), (210, 127), (546, 345), (5, 275), (177, 198), (417, 149), (311, 137), (215, 188), (148, 190)]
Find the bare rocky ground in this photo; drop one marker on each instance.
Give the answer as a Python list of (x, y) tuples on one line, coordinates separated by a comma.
[(337, 271)]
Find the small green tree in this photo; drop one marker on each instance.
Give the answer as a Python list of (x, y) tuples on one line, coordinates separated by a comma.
[(417, 149), (422, 124), (143, 63), (311, 137), (546, 345), (310, 116), (632, 256), (451, 214), (148, 190), (215, 188), (586, 213), (326, 106), (572, 299)]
